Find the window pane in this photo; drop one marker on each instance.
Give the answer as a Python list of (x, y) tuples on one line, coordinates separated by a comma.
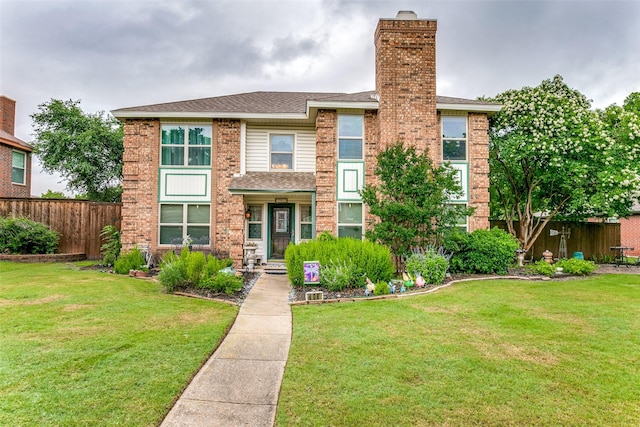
[(305, 231), (171, 214), (454, 150), (200, 135), (454, 127), (350, 213), (198, 231), (17, 176), (255, 231), (350, 149), (17, 160), (170, 232), (354, 231), (173, 135), (350, 126), (198, 214), (281, 161), (199, 156), (282, 143), (172, 156), (305, 213), (256, 213)]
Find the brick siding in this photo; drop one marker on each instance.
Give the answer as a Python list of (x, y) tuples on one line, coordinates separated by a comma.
[(630, 234)]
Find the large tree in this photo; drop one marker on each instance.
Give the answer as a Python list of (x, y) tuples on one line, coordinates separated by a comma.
[(412, 200), (86, 149), (552, 156)]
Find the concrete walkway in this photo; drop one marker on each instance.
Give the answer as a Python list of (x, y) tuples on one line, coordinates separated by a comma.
[(240, 383)]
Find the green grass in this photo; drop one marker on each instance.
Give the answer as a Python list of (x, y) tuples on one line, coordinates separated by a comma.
[(506, 353), (82, 348)]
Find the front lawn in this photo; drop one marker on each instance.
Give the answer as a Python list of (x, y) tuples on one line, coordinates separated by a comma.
[(82, 348), (478, 353)]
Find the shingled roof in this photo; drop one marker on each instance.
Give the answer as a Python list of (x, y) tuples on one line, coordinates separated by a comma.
[(276, 103), (273, 182), (8, 139)]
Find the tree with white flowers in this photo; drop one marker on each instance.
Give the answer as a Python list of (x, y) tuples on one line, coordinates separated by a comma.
[(552, 156)]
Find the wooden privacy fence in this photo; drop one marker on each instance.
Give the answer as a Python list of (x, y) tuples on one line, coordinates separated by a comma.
[(593, 239), (79, 222)]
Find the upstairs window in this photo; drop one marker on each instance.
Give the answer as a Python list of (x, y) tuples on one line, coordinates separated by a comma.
[(350, 137), (188, 145), (281, 147), (18, 167), (454, 138)]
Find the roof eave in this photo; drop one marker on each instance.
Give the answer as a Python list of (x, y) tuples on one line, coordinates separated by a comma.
[(269, 191), (16, 145), (482, 108), (206, 115)]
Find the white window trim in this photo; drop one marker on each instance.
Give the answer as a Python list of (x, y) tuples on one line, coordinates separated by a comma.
[(293, 151), (261, 222), (301, 222), (185, 144), (352, 138), (184, 223), (349, 224), (24, 169), (466, 139)]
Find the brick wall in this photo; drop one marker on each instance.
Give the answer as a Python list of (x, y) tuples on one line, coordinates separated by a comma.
[(478, 152), (406, 82), (7, 114), (227, 209), (140, 183), (7, 124), (326, 155), (630, 234)]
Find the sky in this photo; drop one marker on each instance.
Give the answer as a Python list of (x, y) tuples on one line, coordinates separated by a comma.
[(112, 54)]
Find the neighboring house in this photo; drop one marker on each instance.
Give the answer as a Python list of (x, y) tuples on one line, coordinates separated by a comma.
[(15, 155), (630, 231), (280, 167)]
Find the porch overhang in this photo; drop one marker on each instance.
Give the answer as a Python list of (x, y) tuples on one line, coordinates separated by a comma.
[(273, 182)]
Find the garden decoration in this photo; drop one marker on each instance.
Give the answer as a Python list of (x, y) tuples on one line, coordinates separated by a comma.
[(420, 281), (371, 287)]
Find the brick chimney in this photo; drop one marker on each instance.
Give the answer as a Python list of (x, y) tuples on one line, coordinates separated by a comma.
[(7, 114), (406, 81)]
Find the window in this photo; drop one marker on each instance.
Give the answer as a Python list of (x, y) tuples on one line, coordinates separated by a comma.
[(18, 167), (306, 226), (255, 222), (350, 220), (454, 138), (177, 221), (462, 222), (281, 152), (350, 132), (186, 145)]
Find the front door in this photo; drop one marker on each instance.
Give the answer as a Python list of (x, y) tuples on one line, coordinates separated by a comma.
[(280, 229)]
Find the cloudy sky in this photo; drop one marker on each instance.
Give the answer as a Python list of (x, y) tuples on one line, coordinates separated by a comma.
[(112, 54)]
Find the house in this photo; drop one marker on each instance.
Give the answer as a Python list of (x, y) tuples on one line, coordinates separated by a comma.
[(630, 231), (280, 167), (15, 155)]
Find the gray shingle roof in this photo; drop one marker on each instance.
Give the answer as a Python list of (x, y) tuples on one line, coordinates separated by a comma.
[(273, 181), (270, 103), (7, 138)]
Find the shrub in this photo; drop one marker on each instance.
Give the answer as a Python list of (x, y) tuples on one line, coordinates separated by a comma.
[(359, 257), (382, 288), (132, 260), (337, 275), (112, 246), (24, 236), (194, 269), (576, 266), (485, 251), (542, 267), (430, 265)]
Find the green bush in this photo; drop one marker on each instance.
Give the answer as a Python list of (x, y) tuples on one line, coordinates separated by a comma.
[(382, 288), (576, 266), (132, 260), (337, 275), (24, 236), (193, 269), (358, 257), (430, 265), (484, 251), (112, 246), (542, 267)]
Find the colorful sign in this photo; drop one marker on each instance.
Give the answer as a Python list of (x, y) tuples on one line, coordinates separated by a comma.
[(311, 272)]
